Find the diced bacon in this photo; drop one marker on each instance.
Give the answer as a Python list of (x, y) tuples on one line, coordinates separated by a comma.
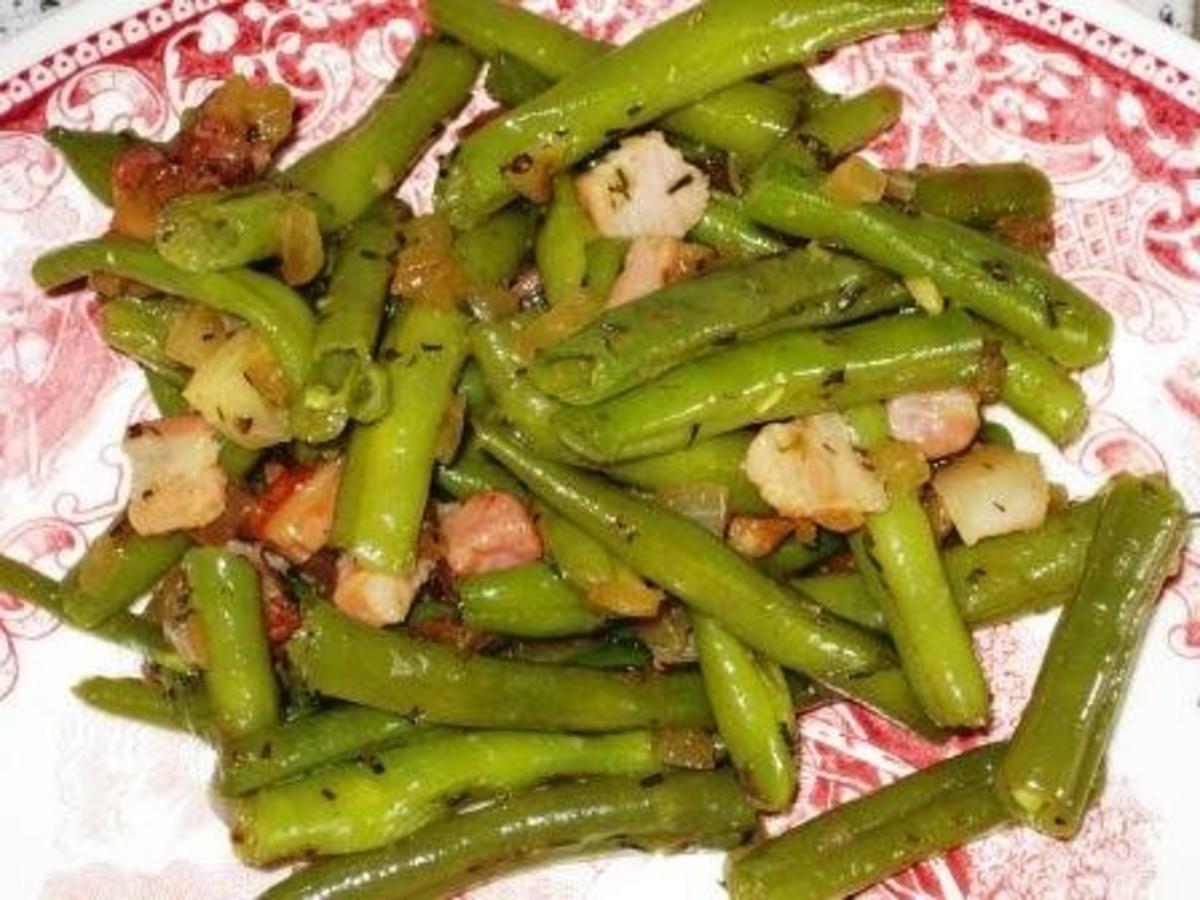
[(651, 263), (492, 530), (295, 519), (644, 187), (808, 469), (177, 480), (757, 536), (993, 490), (378, 598), (940, 423)]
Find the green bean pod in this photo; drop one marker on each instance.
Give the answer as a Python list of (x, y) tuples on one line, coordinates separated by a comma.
[(716, 461), (980, 195), (860, 843), (560, 821), (561, 247), (839, 128), (239, 678), (291, 749), (176, 709), (1050, 773), (530, 601), (271, 308), (491, 253), (794, 557), (138, 327), (338, 657), (794, 373), (1041, 391), (344, 382), (722, 43), (363, 805), (753, 710), (90, 155), (727, 229), (982, 274), (694, 565), (385, 483), (511, 82), (474, 472), (633, 343)]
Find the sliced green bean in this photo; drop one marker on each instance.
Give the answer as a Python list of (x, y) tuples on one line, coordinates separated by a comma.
[(271, 308), (716, 461), (446, 858), (1041, 391), (344, 382), (1050, 773), (860, 843), (91, 154), (338, 657), (176, 709), (561, 248), (531, 601), (239, 678), (291, 749), (727, 229), (980, 195), (753, 709), (723, 43), (385, 483), (138, 327), (775, 377), (982, 274), (633, 343)]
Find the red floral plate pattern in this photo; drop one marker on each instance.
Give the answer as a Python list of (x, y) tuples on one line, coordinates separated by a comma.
[(1105, 102)]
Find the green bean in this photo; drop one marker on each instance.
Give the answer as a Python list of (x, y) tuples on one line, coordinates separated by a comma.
[(90, 156), (1050, 773), (611, 650), (981, 195), (217, 230), (694, 565), (385, 483), (860, 843), (518, 402), (138, 328), (794, 556), (446, 858), (633, 343), (605, 260), (176, 709), (338, 657), (272, 309), (887, 691), (876, 296), (119, 567), (239, 679), (716, 461), (511, 82), (746, 119), (474, 472), (361, 806), (839, 128), (529, 601), (995, 433), (344, 382), (721, 44), (753, 710), (283, 752), (492, 252), (727, 229), (562, 241), (789, 374), (982, 274), (1040, 391)]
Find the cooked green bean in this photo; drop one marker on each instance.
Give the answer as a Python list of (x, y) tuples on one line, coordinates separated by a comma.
[(1049, 775), (530, 601), (336, 656), (633, 343), (344, 382), (474, 472), (511, 82), (860, 843), (492, 252), (981, 195), (138, 327), (753, 709), (385, 483), (839, 128), (605, 260), (239, 678), (794, 557), (91, 154), (790, 374), (173, 708), (291, 749), (561, 248), (727, 229), (720, 44), (716, 461), (611, 650), (580, 818), (1041, 391), (982, 274), (364, 805), (695, 566), (271, 308)]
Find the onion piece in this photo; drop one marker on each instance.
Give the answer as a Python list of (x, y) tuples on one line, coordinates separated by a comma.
[(685, 748), (705, 503), (668, 637), (194, 335), (926, 293), (301, 250), (239, 391), (855, 181), (993, 490), (758, 536)]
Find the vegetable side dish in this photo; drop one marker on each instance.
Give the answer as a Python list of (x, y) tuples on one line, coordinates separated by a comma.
[(526, 528)]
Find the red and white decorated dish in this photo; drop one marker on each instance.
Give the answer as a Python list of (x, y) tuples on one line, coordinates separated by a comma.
[(1105, 102)]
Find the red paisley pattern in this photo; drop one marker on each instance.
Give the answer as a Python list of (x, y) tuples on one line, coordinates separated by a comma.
[(1117, 128)]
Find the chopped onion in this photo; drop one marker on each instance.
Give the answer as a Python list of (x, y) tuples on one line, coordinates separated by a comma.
[(195, 334), (993, 490), (237, 390), (757, 536), (532, 174), (449, 435), (900, 464), (900, 185), (926, 293), (301, 251), (558, 323), (625, 595), (855, 181), (705, 503), (685, 748), (668, 637)]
